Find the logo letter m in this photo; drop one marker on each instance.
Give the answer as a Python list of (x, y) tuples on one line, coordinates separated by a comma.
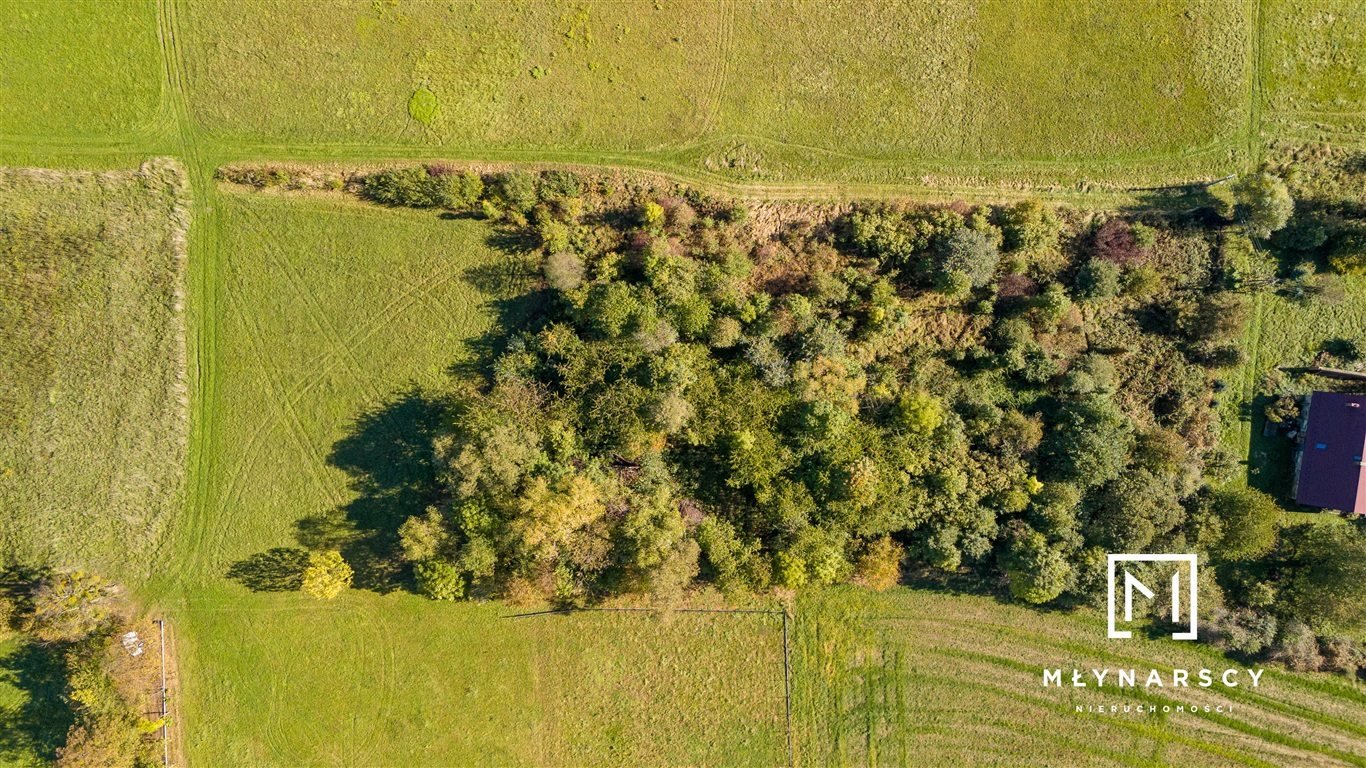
[(1132, 584)]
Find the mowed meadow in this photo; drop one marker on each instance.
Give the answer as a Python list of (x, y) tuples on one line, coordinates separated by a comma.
[(936, 678), (742, 91), (71, 76)]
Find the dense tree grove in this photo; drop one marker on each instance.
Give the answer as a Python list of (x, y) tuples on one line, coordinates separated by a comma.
[(709, 395)]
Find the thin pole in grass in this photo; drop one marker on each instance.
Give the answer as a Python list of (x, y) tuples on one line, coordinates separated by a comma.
[(165, 730), (787, 690)]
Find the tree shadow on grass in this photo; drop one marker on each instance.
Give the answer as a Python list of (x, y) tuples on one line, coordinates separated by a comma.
[(1189, 203), (39, 725), (388, 453), (276, 570), (516, 300), (1270, 459), (390, 459)]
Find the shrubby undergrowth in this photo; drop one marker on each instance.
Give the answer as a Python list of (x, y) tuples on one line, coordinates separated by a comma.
[(69, 628)]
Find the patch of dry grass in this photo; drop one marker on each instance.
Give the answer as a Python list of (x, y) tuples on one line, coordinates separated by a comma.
[(92, 340)]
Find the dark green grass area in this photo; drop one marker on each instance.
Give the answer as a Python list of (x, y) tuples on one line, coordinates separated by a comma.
[(93, 400)]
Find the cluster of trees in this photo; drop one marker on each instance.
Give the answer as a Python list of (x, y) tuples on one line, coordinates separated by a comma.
[(1008, 391), (74, 619)]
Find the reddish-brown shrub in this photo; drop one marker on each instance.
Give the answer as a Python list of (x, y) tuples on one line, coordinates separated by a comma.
[(1115, 242)]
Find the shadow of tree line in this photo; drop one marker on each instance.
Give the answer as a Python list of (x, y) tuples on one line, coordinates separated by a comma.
[(388, 452)]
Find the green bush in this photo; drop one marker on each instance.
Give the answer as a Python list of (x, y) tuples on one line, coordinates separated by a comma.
[(559, 185), (1243, 263), (411, 187), (726, 332), (1037, 572), (420, 187), (1090, 442), (1348, 254), (1262, 203), (611, 308), (968, 252), (1030, 226), (1250, 520), (457, 191), (1097, 280), (515, 191), (439, 580)]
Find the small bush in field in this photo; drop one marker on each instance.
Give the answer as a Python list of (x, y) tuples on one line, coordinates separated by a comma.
[(327, 575)]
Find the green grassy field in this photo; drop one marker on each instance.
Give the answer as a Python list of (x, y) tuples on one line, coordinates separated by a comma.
[(79, 75), (1314, 68), (93, 403), (743, 91)]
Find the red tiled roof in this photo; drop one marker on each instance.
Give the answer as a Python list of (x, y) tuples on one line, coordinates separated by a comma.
[(1331, 471)]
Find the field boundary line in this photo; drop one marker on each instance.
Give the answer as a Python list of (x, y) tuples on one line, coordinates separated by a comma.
[(165, 736)]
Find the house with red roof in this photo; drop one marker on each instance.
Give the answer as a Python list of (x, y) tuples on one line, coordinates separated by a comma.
[(1330, 473)]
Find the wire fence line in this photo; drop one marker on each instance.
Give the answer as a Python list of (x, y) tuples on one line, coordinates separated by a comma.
[(165, 723)]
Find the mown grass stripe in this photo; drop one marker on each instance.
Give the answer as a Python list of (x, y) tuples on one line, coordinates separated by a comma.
[(1229, 722)]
